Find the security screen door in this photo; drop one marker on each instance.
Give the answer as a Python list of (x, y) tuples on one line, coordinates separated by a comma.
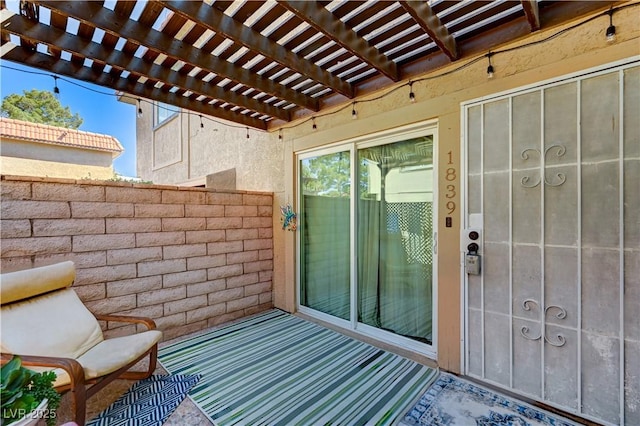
[(366, 248), (554, 174)]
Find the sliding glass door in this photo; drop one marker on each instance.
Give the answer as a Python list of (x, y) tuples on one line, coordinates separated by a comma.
[(366, 248)]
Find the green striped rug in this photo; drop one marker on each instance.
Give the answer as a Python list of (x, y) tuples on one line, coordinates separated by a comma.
[(277, 369)]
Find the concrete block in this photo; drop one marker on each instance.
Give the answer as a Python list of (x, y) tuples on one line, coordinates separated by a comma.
[(133, 286), (121, 225), (160, 267), (184, 278), (88, 259), (197, 210), (241, 257), (260, 243), (15, 190), (159, 210), (224, 222), (266, 275), (213, 322), (155, 297), (224, 272), (225, 179), (18, 228), (55, 227), (153, 311), (241, 211), (170, 321), (152, 239), (266, 298), (105, 273), (184, 305), (183, 330), (133, 255), (265, 233), (242, 280), (261, 265), (265, 254), (90, 292), (241, 234), (205, 262), (205, 313), (225, 295), (184, 224), (226, 247), (112, 304), (257, 200), (209, 236), (206, 287), (183, 197), (256, 222), (116, 194), (16, 247), (183, 251), (223, 198), (66, 192), (258, 288), (265, 211), (18, 209), (92, 210), (120, 331), (245, 302), (103, 242), (11, 264)]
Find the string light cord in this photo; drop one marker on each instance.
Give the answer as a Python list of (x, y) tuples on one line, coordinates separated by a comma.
[(492, 54)]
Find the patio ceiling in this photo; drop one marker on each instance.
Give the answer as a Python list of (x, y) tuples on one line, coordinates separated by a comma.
[(264, 63)]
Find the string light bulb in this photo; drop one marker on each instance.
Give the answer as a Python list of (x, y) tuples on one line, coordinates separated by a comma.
[(490, 70), (313, 120), (56, 89), (280, 134), (611, 29), (201, 123), (139, 109), (412, 96), (354, 113), (248, 132)]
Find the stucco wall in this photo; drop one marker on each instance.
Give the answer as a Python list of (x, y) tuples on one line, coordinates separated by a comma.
[(37, 159), (187, 257)]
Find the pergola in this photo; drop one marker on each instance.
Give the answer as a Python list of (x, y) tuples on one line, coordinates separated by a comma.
[(265, 63)]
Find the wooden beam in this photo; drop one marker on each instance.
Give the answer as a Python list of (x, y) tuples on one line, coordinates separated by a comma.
[(216, 21), (532, 13), (60, 39), (422, 13), (316, 15), (82, 73), (95, 14)]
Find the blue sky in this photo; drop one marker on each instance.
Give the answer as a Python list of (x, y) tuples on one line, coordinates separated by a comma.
[(102, 113)]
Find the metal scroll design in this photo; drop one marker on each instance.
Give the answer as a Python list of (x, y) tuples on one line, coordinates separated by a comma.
[(557, 180), (558, 339)]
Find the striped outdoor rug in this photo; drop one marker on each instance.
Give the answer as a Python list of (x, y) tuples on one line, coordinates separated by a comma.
[(277, 369)]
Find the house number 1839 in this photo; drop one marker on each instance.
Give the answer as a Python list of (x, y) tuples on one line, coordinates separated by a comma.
[(450, 176)]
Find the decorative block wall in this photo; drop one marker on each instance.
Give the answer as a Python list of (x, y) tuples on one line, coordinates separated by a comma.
[(190, 258)]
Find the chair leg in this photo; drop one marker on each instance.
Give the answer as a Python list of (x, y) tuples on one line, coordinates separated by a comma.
[(139, 375), (79, 401)]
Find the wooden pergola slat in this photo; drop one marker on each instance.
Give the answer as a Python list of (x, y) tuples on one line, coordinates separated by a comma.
[(214, 20), (532, 13), (94, 13), (324, 21), (24, 27), (422, 13), (78, 72)]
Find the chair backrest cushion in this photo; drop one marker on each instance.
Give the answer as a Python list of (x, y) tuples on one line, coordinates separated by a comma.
[(54, 324), (21, 285)]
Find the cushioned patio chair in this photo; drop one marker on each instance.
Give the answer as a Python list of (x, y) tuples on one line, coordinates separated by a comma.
[(44, 321)]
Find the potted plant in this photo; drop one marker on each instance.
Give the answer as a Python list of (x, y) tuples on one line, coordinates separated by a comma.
[(27, 396)]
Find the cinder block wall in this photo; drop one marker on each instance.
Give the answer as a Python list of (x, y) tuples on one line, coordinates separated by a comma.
[(189, 258)]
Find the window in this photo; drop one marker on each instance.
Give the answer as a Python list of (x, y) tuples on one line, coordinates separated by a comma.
[(163, 112)]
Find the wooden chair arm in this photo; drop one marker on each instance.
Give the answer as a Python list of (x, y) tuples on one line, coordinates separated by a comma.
[(71, 366), (151, 325)]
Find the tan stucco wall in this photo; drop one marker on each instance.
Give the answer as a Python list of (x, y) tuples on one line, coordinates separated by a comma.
[(266, 163), (36, 159)]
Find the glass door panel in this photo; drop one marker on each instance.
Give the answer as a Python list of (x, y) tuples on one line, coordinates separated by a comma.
[(324, 233), (395, 237)]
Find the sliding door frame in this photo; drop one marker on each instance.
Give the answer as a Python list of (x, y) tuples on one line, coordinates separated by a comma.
[(426, 128)]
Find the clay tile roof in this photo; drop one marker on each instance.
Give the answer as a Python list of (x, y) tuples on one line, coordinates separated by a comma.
[(44, 133)]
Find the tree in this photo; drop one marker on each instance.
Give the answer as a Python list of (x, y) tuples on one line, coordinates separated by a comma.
[(39, 106)]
